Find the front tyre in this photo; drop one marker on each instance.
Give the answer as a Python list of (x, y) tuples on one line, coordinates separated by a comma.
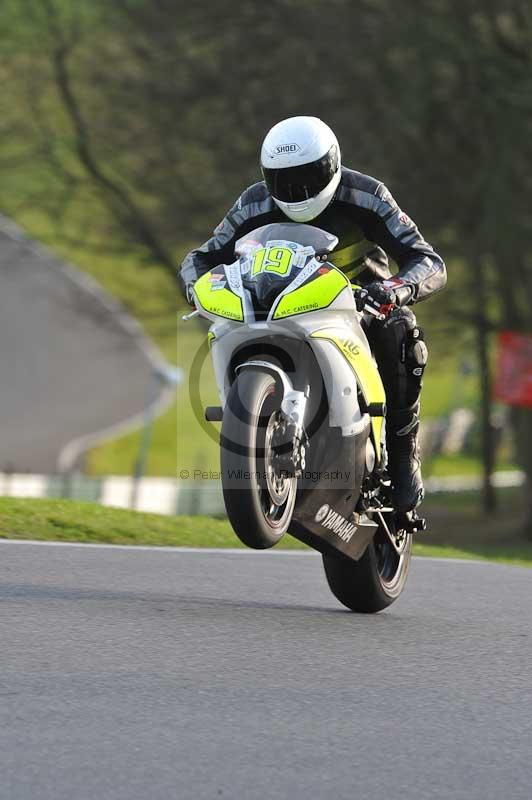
[(259, 497), (377, 579)]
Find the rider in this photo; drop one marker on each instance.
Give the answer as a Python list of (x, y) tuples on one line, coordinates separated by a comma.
[(304, 181)]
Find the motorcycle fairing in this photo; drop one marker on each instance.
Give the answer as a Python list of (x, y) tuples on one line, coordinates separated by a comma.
[(219, 292), (317, 293), (367, 375), (323, 515), (345, 429)]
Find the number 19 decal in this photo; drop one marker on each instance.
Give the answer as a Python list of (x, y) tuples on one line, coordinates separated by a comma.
[(272, 259)]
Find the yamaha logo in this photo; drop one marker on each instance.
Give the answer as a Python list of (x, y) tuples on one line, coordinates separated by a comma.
[(287, 148), (322, 513), (334, 522)]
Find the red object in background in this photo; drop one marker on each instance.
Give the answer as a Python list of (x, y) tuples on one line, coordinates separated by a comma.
[(513, 383)]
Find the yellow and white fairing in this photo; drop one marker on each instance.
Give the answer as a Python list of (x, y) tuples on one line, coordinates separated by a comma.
[(317, 306), (316, 288), (364, 368), (220, 294)]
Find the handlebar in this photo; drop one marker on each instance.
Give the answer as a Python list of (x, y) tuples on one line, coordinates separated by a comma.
[(360, 296), (188, 317)]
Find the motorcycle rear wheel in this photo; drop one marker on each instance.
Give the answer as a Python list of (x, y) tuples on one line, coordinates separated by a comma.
[(259, 502), (373, 582)]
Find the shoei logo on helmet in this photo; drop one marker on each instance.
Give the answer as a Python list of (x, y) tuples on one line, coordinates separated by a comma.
[(287, 148)]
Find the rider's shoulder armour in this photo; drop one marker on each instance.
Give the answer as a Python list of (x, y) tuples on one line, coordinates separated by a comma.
[(365, 192)]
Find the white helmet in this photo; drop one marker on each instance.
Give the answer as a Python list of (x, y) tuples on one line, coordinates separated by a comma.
[(301, 165)]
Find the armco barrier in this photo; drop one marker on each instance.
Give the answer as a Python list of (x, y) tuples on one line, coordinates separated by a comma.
[(158, 495), (170, 496)]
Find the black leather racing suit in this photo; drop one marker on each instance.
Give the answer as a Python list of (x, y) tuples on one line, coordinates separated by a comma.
[(370, 227)]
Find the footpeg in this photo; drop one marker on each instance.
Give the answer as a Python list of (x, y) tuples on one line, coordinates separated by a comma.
[(409, 522), (214, 414)]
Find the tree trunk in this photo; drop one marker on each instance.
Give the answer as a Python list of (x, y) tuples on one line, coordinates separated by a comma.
[(514, 288), (522, 425), (482, 325), (489, 499)]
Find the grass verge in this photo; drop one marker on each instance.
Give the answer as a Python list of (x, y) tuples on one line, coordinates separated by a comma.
[(457, 531), (72, 521)]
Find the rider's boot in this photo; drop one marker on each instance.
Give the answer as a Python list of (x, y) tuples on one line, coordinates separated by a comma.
[(404, 464)]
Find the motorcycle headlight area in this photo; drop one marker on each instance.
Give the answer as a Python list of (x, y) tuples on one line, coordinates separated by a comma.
[(269, 269)]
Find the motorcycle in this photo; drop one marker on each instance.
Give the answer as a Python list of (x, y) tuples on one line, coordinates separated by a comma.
[(303, 409)]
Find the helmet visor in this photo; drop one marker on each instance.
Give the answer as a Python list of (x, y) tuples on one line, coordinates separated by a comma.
[(295, 184)]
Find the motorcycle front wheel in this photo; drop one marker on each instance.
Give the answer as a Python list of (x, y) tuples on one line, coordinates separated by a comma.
[(259, 497), (374, 581)]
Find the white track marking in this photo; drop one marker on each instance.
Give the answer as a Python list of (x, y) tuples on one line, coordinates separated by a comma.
[(239, 551), (234, 551)]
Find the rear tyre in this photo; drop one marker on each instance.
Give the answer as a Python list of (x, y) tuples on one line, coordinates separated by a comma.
[(376, 580), (259, 499)]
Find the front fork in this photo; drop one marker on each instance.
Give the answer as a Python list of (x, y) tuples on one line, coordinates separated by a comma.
[(291, 438)]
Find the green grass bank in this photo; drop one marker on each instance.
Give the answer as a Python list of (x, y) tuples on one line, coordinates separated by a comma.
[(456, 529)]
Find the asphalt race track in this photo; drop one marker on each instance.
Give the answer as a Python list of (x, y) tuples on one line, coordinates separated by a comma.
[(155, 674), (69, 366)]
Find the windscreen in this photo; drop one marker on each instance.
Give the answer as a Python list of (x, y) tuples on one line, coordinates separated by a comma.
[(289, 232), (272, 256)]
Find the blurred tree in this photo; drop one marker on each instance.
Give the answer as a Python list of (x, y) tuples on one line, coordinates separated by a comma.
[(154, 111), (479, 85)]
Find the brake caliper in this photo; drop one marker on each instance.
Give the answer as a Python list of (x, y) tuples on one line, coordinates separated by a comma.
[(289, 445)]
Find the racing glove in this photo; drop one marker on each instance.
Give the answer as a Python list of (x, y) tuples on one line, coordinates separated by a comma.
[(384, 296), (188, 292)]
